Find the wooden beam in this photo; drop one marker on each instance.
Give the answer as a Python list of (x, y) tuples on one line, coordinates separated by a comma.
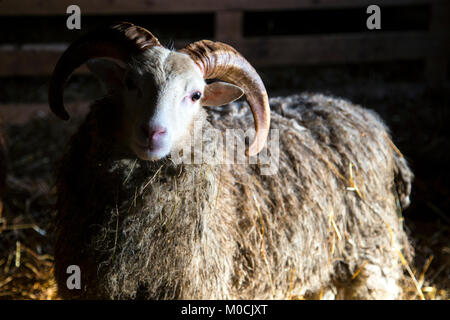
[(123, 7), (266, 51), (350, 48), (228, 25), (30, 61), (20, 113)]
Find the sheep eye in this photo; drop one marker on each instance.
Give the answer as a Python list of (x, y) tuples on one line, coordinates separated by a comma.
[(196, 95)]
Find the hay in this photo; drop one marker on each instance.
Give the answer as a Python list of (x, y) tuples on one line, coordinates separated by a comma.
[(26, 236), (34, 150)]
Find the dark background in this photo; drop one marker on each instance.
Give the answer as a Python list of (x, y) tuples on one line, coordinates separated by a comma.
[(415, 106)]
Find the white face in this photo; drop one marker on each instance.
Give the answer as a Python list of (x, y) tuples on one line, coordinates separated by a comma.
[(161, 104), (162, 96)]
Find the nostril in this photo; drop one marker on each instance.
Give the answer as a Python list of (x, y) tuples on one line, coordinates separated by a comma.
[(153, 132), (157, 133)]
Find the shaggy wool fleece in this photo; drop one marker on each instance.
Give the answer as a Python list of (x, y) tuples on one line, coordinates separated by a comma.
[(328, 221)]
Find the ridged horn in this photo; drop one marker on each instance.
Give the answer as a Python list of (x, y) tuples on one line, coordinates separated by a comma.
[(120, 41), (220, 61)]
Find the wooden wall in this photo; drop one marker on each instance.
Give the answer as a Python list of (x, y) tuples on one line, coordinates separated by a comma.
[(432, 45)]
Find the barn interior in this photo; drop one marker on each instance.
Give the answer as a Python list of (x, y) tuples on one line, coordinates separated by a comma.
[(400, 71)]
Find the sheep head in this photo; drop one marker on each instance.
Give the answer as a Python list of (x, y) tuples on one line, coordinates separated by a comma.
[(162, 91)]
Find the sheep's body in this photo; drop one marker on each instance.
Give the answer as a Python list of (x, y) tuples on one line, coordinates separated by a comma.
[(141, 229)]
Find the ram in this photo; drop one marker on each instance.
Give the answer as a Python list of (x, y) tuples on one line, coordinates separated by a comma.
[(140, 223)]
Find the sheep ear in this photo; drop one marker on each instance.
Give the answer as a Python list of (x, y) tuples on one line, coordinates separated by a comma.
[(108, 72), (220, 93)]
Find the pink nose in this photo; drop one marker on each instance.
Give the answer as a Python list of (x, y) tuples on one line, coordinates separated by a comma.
[(154, 133), (157, 133)]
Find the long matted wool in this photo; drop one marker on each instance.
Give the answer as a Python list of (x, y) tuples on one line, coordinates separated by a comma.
[(329, 222)]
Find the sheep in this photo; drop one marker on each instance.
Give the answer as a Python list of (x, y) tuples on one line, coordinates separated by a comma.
[(140, 224)]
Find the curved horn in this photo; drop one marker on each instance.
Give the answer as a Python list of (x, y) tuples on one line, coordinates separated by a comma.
[(220, 61), (119, 41)]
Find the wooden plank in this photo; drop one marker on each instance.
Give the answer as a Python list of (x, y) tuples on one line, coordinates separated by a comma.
[(350, 48), (35, 60), (21, 62), (20, 113), (123, 7), (228, 25)]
